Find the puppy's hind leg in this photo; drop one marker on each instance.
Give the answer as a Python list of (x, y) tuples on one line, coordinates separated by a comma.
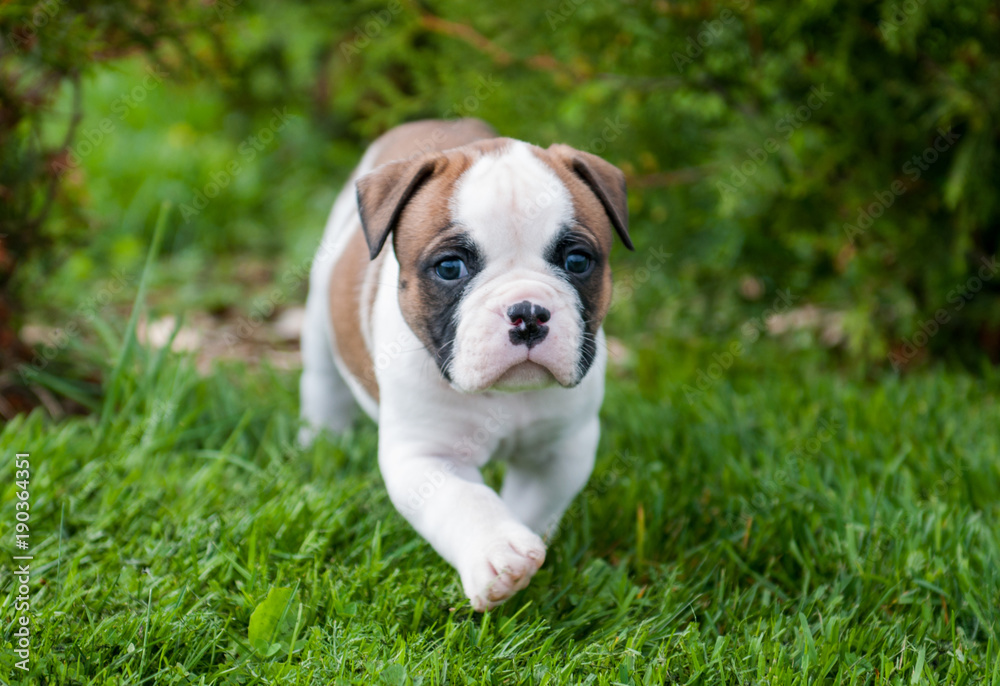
[(326, 401)]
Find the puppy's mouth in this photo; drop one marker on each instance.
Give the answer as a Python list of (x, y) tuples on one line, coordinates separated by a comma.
[(524, 376)]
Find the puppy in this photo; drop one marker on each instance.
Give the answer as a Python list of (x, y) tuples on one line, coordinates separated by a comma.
[(474, 333)]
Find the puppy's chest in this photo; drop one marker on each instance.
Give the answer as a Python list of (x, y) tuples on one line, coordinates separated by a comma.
[(516, 433)]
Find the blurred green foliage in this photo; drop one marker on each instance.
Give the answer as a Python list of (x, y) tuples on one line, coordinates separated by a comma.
[(770, 147)]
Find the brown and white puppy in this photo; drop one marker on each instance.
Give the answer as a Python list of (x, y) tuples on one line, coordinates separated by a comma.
[(457, 296)]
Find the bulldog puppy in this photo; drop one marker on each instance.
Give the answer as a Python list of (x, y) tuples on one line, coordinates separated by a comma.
[(473, 334)]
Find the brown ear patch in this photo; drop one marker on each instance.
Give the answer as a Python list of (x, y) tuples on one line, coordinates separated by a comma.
[(407, 156), (604, 180), (384, 192)]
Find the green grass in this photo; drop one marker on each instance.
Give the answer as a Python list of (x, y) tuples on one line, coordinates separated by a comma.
[(800, 520), (789, 526)]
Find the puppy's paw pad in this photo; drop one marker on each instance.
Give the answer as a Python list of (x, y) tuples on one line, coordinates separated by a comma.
[(504, 566)]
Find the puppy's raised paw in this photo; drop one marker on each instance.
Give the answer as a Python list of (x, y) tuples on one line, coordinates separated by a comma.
[(502, 567)]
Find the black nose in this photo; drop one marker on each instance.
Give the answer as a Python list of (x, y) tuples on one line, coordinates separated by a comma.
[(528, 321)]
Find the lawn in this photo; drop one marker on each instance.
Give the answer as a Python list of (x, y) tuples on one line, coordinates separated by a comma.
[(775, 501), (782, 524)]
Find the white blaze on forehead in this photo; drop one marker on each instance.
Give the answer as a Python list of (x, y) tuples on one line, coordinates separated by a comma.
[(511, 203)]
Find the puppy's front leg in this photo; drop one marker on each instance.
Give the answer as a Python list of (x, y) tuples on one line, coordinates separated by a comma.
[(466, 522)]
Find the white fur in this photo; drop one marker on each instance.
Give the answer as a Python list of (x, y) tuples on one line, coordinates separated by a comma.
[(432, 438)]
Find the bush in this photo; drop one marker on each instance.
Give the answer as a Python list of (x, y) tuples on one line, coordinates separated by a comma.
[(840, 153)]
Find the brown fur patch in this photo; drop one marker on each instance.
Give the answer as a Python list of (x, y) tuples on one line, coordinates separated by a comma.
[(429, 136), (346, 289)]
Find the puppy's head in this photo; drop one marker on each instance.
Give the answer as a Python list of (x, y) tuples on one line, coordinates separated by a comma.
[(503, 253)]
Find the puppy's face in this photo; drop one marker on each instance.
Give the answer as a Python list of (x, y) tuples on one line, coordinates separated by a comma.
[(503, 252)]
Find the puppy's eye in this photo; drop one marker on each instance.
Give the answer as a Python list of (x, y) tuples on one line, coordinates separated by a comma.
[(577, 263), (451, 269)]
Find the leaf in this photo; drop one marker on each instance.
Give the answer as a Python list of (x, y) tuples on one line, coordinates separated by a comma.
[(394, 675), (954, 186), (347, 609), (266, 617), (919, 668)]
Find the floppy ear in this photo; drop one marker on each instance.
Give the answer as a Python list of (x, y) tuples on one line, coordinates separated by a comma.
[(605, 180), (384, 192)]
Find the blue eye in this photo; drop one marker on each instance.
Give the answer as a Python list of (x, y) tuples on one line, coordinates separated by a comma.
[(577, 263), (451, 269)]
